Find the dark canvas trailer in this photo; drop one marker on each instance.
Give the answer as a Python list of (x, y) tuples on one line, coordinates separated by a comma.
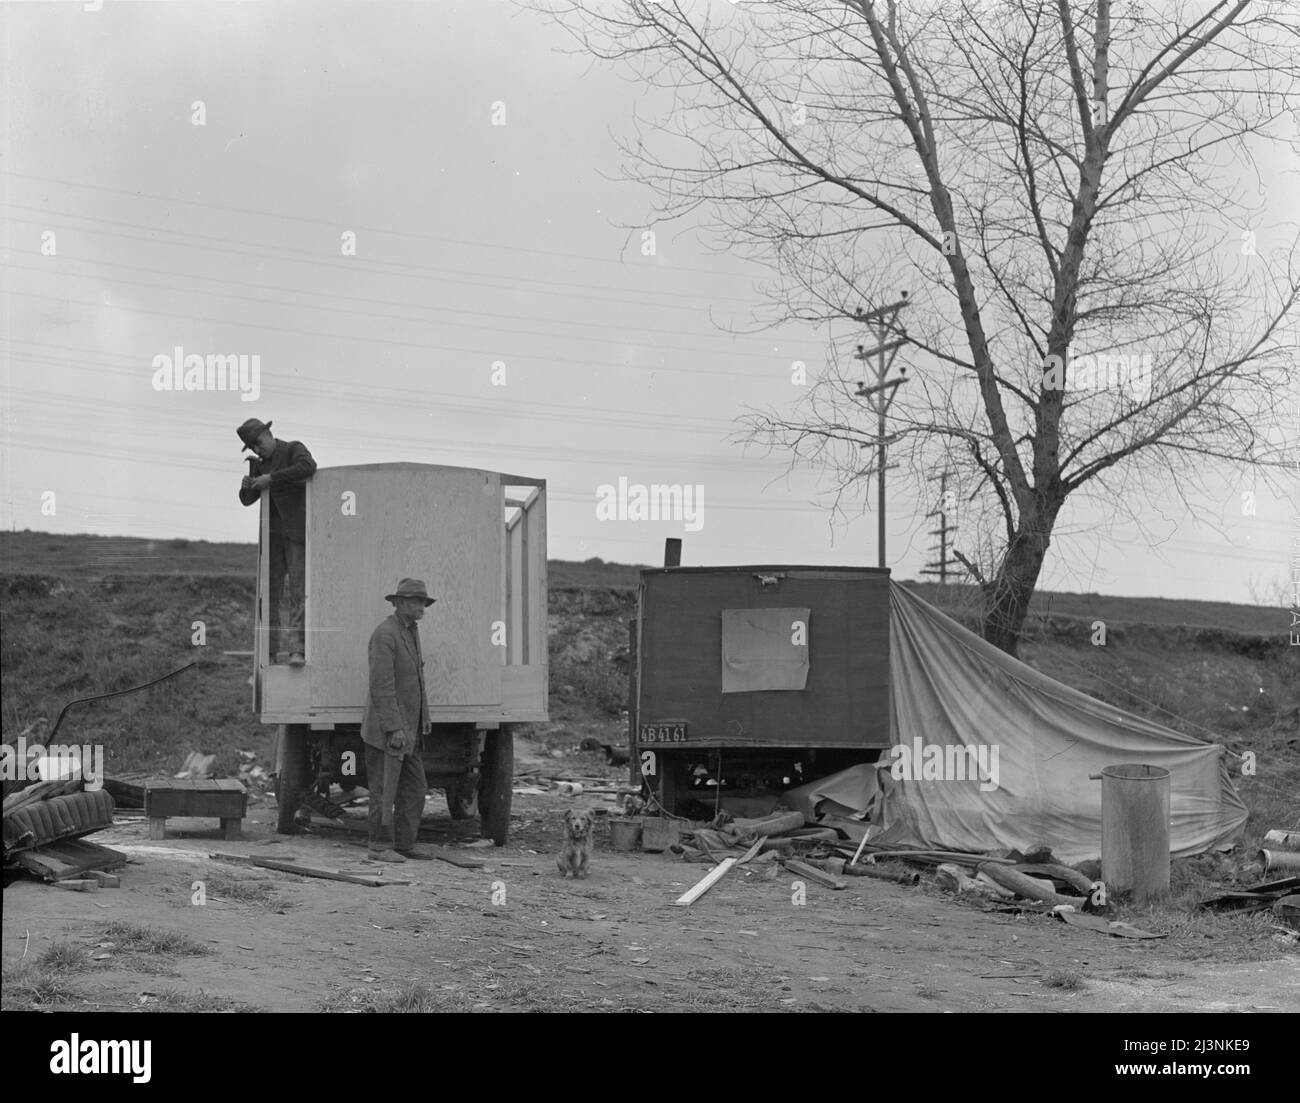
[(750, 679)]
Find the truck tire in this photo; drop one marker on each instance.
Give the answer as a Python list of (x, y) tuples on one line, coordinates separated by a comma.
[(462, 799), (294, 776), (496, 783)]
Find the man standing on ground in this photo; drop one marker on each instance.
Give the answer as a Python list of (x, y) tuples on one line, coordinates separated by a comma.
[(282, 469), (396, 715)]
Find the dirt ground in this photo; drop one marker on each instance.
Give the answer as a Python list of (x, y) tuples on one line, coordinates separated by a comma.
[(514, 936)]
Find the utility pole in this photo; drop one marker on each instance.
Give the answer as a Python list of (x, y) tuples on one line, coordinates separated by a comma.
[(941, 569), (880, 395)]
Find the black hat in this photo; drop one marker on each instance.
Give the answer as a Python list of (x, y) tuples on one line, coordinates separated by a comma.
[(250, 431), (411, 587)]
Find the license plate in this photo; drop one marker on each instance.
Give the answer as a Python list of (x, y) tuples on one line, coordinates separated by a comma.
[(663, 733)]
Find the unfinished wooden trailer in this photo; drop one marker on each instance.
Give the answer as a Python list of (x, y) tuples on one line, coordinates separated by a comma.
[(750, 680), (478, 540)]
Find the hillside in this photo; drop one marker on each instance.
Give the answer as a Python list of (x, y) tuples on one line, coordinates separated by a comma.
[(87, 615), (94, 556)]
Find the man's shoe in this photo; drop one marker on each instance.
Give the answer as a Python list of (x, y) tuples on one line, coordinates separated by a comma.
[(297, 659), (383, 855), (417, 854)]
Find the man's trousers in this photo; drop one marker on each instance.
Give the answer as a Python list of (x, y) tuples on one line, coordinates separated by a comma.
[(288, 579), (411, 790)]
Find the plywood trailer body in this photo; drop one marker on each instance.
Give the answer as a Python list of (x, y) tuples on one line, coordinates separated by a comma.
[(478, 540), (774, 669)]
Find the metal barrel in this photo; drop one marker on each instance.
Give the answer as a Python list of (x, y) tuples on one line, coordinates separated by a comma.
[(1276, 861), (1135, 830)]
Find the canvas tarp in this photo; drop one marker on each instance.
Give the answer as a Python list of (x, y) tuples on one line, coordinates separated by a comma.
[(949, 687)]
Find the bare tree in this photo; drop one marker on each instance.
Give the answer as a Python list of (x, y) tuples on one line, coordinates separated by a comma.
[(1063, 186)]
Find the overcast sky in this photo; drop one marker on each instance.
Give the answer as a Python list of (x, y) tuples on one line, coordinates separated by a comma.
[(475, 243)]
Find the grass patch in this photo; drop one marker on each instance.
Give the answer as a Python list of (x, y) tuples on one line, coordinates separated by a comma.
[(29, 987), (137, 938), (415, 998), (195, 1003), (1207, 935), (1067, 980), (1142, 972), (258, 892), (65, 956), (728, 988)]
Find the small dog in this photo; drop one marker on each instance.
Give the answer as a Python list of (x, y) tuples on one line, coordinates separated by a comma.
[(576, 855)]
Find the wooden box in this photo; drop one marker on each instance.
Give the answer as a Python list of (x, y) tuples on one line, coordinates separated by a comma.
[(224, 799)]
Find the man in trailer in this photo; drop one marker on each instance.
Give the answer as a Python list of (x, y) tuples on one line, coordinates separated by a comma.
[(282, 469), (396, 715)]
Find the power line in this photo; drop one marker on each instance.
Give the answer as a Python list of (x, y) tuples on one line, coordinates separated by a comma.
[(46, 269), (337, 224), (385, 396), (479, 352), (263, 251)]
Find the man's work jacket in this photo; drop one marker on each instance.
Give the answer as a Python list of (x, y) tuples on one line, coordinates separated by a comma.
[(290, 466), (397, 698)]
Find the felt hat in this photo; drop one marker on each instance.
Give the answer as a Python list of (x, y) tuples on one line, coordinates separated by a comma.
[(411, 587), (251, 430)]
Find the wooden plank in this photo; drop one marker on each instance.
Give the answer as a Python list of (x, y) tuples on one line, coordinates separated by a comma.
[(124, 794), (282, 866), (812, 873), (68, 858), (199, 805), (716, 874), (524, 589), (538, 586), (85, 885), (507, 594), (455, 859), (105, 880)]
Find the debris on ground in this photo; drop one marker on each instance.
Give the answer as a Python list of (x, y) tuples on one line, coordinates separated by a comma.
[(1254, 898), (197, 766), (44, 822), (1097, 923)]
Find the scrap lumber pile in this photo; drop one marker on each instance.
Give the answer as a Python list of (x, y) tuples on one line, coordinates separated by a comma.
[(818, 854), (1279, 894), (52, 810), (43, 826), (768, 843)]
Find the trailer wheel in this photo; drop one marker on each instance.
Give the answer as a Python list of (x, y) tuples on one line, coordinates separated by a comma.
[(463, 799), (496, 783), (294, 775)]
